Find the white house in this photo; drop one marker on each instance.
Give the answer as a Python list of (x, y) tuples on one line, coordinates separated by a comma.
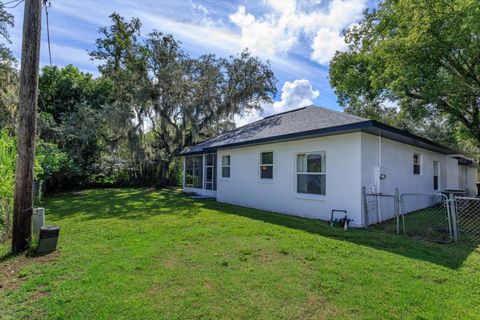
[(308, 161)]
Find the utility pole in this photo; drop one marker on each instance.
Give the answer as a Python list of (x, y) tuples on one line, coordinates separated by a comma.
[(27, 122)]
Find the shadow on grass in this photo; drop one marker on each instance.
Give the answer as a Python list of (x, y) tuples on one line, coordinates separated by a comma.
[(140, 204), (448, 255), (129, 204)]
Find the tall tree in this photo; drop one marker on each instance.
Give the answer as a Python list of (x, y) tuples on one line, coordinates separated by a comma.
[(71, 105), (8, 75), (422, 55), (160, 89), (27, 112)]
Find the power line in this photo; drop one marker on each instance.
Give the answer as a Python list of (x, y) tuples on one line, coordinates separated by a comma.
[(14, 6), (46, 4), (4, 3)]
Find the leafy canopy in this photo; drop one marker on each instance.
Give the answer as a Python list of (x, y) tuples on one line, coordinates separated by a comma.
[(422, 55), (164, 100), (8, 74)]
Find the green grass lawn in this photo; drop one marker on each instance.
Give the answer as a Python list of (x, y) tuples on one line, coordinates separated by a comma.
[(144, 254)]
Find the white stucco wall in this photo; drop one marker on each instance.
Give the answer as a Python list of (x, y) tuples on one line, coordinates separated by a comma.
[(471, 180), (343, 178), (396, 162), (452, 174), (352, 161)]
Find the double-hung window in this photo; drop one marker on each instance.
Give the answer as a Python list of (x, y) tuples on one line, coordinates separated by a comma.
[(311, 173), (417, 163), (266, 165), (225, 166)]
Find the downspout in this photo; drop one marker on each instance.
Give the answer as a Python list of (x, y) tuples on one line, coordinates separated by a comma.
[(379, 190), (380, 151)]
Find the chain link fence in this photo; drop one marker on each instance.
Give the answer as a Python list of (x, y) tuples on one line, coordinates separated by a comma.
[(434, 217), (381, 210), (468, 219), (426, 216)]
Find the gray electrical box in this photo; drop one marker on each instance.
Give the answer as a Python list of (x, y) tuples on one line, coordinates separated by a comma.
[(38, 220)]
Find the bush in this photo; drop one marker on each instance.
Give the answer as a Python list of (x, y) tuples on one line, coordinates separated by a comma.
[(7, 182), (49, 159), (175, 172)]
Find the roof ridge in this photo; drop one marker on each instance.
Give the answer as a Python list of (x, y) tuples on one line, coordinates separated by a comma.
[(341, 112), (278, 114), (284, 112)]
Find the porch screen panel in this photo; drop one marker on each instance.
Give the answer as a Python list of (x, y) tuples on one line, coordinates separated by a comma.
[(210, 172), (194, 171)]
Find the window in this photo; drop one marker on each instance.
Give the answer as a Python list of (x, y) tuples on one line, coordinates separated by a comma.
[(417, 161), (225, 166), (266, 165), (193, 171), (436, 174), (311, 175)]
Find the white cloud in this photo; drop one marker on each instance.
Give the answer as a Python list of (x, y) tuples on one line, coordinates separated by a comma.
[(204, 36), (282, 28), (296, 94), (264, 36), (324, 45)]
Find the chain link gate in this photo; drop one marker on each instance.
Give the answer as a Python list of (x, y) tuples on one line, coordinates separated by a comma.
[(468, 218), (427, 216), (381, 210)]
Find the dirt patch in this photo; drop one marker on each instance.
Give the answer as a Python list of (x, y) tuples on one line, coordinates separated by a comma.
[(265, 257), (316, 308), (14, 270), (171, 263), (39, 293)]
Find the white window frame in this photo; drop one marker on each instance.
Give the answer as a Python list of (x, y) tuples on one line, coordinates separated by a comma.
[(420, 163), (224, 166), (324, 173), (265, 165)]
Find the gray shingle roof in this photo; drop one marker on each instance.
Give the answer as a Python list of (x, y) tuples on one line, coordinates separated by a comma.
[(309, 122), (302, 120)]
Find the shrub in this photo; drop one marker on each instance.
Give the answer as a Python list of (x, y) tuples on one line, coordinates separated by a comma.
[(7, 181)]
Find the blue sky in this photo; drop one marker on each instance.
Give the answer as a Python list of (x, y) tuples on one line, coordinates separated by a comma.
[(297, 37)]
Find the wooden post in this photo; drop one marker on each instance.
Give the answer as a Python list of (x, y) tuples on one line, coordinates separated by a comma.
[(27, 120)]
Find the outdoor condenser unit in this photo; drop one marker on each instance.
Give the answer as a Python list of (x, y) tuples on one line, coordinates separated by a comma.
[(38, 220)]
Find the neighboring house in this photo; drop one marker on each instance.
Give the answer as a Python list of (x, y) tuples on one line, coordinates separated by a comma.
[(311, 160)]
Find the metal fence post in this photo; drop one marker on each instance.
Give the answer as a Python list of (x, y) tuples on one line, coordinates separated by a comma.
[(401, 205), (453, 217), (365, 207)]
